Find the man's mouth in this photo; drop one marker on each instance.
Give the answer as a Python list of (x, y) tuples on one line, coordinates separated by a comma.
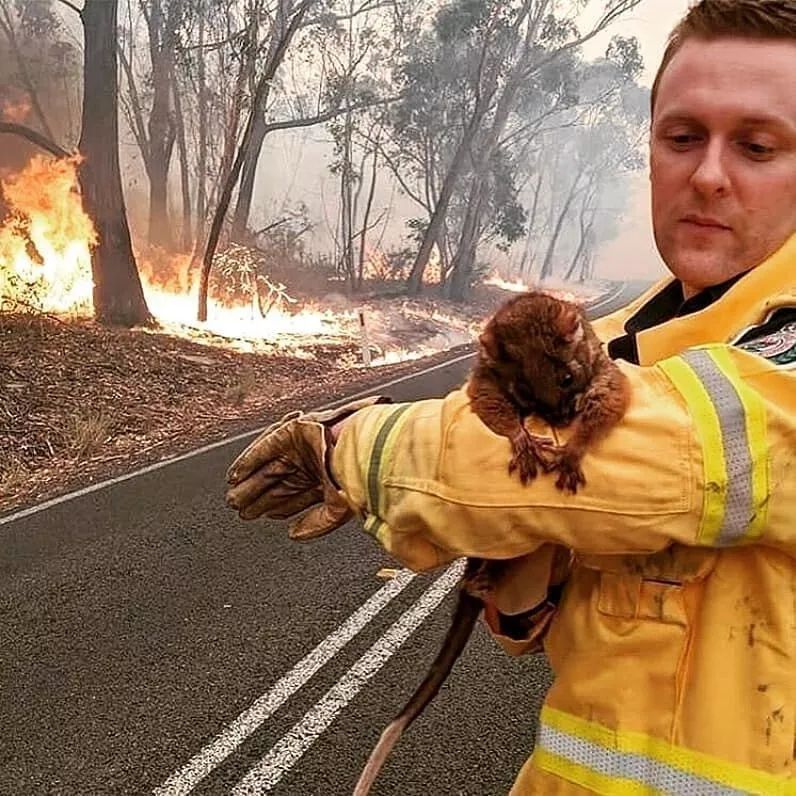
[(705, 222)]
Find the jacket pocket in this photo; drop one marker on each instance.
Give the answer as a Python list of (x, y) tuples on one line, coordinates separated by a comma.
[(650, 587)]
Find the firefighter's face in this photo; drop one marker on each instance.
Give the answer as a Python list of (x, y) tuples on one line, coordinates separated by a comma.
[(723, 157)]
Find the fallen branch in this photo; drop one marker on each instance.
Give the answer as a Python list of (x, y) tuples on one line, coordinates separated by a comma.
[(12, 128), (74, 8), (32, 309)]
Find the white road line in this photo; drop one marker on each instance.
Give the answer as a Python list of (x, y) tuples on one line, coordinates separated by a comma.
[(204, 449), (289, 749), (234, 734), (607, 299)]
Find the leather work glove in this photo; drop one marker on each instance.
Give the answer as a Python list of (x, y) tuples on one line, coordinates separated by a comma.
[(286, 470)]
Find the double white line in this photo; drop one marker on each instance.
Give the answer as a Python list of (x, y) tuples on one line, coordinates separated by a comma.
[(289, 749)]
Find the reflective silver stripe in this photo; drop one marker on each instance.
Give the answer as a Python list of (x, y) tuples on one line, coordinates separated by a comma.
[(644, 771), (738, 507)]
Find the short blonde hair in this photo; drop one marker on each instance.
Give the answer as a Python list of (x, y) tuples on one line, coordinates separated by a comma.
[(714, 19)]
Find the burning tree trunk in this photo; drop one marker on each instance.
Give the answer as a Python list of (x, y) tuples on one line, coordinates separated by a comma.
[(118, 295)]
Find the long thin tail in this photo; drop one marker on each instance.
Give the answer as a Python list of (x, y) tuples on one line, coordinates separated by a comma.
[(464, 617)]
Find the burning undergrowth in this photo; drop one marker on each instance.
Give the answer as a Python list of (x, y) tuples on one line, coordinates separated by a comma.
[(45, 266), (45, 240), (79, 402)]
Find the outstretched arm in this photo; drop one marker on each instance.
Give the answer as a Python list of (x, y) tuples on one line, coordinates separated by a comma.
[(699, 458)]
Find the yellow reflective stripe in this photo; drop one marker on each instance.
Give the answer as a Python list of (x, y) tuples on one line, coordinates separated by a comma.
[(373, 525), (587, 777), (691, 763), (382, 443), (708, 428), (756, 432)]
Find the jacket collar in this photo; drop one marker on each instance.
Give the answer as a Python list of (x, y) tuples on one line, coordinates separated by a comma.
[(665, 324)]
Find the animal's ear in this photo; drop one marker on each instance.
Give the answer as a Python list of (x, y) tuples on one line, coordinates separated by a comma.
[(491, 350), (568, 324)]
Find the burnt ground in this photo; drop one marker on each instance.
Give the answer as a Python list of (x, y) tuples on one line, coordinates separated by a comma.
[(80, 402)]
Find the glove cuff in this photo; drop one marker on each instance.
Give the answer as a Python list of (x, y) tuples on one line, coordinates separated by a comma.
[(328, 417)]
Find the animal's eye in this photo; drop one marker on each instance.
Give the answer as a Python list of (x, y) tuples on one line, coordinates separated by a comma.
[(566, 380)]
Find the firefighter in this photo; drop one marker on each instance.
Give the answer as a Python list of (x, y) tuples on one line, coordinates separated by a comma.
[(664, 592)]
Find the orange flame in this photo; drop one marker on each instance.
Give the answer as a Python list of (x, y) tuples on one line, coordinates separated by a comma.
[(246, 306), (46, 240), (518, 286), (45, 243)]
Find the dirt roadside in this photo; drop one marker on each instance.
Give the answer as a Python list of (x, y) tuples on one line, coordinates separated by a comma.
[(80, 403)]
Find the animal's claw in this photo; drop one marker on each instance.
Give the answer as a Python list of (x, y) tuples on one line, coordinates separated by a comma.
[(529, 455), (478, 584), (570, 475), (544, 450), (523, 459)]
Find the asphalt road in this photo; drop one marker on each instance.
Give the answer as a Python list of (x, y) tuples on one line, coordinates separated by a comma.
[(151, 642)]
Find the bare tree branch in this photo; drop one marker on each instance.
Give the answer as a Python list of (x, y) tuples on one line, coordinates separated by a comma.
[(232, 178), (325, 116), (396, 170), (74, 8), (214, 45), (35, 138), (610, 15), (7, 26), (368, 5), (272, 225), (138, 128)]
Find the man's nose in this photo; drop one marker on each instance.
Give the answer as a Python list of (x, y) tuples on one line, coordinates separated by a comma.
[(710, 176)]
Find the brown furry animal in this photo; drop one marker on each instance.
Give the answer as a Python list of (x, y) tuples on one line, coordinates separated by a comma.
[(538, 356)]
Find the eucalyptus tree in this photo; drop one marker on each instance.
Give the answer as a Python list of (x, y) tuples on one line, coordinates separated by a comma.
[(476, 62)]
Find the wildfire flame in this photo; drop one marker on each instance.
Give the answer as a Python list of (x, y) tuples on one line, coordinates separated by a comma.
[(46, 240), (515, 285), (45, 243), (45, 264), (518, 286)]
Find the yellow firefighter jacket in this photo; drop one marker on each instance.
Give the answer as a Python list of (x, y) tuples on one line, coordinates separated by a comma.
[(674, 643)]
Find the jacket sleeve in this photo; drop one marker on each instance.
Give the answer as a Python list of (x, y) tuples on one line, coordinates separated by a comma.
[(703, 456)]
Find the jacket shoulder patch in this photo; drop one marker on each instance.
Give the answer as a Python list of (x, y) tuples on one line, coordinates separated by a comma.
[(775, 342)]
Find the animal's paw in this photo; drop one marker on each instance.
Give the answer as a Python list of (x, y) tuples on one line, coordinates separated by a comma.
[(570, 475), (545, 451), (530, 454)]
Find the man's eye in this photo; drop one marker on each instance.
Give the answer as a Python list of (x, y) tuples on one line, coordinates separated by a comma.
[(682, 140), (757, 150)]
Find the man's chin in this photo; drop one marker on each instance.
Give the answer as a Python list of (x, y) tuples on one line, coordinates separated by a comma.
[(699, 267)]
